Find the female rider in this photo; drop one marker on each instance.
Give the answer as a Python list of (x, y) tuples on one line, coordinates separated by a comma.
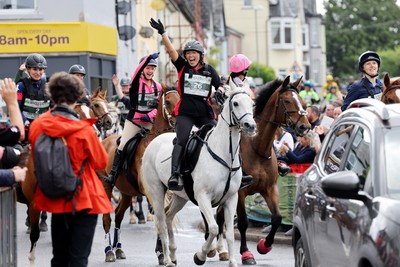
[(143, 96)]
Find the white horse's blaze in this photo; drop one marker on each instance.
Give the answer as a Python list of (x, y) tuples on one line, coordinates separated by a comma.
[(86, 110), (299, 105), (397, 93)]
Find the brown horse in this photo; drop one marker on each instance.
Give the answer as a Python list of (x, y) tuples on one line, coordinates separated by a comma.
[(163, 123), (278, 104), (391, 91), (29, 185)]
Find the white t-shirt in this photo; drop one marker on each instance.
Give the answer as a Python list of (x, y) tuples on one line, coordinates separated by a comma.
[(286, 137)]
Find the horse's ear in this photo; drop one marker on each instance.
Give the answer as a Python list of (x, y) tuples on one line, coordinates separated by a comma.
[(164, 88), (297, 83), (386, 80), (105, 92), (286, 81), (232, 85), (96, 91)]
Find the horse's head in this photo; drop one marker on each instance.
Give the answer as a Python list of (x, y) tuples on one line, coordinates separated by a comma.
[(279, 103), (238, 109), (100, 108), (170, 98), (391, 91), (84, 108)]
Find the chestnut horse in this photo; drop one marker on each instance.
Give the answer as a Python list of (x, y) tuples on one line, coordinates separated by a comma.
[(98, 108), (278, 104), (391, 91), (163, 123)]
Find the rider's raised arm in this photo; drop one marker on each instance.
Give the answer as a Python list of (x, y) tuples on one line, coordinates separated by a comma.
[(173, 54)]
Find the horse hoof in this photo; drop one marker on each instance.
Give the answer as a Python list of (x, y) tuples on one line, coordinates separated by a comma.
[(261, 248), (224, 256), (43, 226), (150, 217), (248, 258), (197, 260), (160, 259), (120, 254), (110, 256), (132, 219), (211, 253), (142, 221)]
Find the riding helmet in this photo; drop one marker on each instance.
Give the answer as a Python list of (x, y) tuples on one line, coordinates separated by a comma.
[(77, 69), (125, 81), (36, 61), (193, 46), (309, 84), (239, 63), (368, 56), (152, 62)]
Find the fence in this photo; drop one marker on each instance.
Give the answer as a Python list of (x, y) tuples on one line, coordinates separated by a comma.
[(8, 228)]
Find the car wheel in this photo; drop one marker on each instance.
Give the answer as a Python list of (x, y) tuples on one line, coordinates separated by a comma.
[(301, 259)]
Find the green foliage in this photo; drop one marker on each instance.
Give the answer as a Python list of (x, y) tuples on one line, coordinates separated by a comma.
[(354, 26), (266, 73), (213, 56), (390, 62)]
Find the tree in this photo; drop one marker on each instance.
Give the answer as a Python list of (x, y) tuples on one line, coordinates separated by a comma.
[(266, 73), (354, 26)]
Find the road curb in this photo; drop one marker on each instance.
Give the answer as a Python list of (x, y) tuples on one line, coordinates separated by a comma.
[(255, 234)]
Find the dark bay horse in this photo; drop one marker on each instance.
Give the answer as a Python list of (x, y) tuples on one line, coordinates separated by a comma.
[(97, 109), (391, 91), (278, 104), (163, 123)]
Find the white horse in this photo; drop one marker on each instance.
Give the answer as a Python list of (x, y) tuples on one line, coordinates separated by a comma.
[(215, 182)]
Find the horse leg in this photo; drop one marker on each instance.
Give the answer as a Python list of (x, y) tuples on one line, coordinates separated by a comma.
[(265, 245), (176, 204), (119, 216), (110, 255), (222, 251), (212, 251), (159, 251), (43, 224), (206, 210), (150, 212), (132, 217), (34, 216), (242, 225), (139, 213), (229, 213)]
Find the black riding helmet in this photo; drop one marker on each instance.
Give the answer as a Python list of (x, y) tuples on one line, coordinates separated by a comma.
[(152, 62), (194, 46), (368, 56), (77, 69), (36, 61)]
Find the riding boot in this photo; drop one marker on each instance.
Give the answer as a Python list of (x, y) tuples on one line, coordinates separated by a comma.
[(173, 181), (246, 180), (112, 177), (283, 169)]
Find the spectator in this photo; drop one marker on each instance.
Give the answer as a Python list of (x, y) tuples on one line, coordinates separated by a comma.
[(313, 115), (308, 94), (329, 110), (122, 96), (72, 233), (369, 86), (333, 95), (336, 112), (329, 82), (304, 151)]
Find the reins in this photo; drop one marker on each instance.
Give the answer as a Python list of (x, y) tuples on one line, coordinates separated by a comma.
[(390, 89)]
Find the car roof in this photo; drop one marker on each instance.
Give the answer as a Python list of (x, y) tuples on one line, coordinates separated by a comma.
[(374, 111)]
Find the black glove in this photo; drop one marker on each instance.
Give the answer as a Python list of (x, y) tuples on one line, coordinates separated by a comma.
[(220, 97), (154, 56), (157, 25)]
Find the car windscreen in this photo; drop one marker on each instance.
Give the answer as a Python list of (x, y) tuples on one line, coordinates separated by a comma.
[(392, 157)]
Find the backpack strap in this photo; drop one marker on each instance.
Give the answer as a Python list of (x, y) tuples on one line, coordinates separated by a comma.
[(79, 184)]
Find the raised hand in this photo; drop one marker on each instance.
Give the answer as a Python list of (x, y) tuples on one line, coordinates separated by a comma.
[(157, 25), (154, 56)]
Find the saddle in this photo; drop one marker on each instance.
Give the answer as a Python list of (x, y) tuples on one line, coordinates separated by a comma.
[(128, 156), (191, 156)]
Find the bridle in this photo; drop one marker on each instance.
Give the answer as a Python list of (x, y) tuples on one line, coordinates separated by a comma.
[(288, 120), (233, 119), (101, 118), (166, 114), (390, 89)]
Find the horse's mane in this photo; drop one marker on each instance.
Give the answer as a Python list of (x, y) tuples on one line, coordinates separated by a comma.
[(85, 100), (265, 93)]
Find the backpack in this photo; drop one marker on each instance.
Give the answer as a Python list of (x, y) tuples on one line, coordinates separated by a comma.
[(53, 168)]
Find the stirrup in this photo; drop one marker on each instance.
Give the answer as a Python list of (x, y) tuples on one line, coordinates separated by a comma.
[(284, 170), (246, 181), (173, 183)]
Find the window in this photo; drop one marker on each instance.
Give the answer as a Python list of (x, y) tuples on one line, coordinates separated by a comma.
[(305, 37), (247, 3), (281, 30), (17, 4), (338, 143)]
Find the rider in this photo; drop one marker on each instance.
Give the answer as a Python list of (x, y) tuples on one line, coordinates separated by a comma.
[(80, 72), (194, 108), (143, 95), (32, 97), (122, 96), (308, 94), (369, 86)]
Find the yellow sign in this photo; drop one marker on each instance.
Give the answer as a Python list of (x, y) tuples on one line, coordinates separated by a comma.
[(57, 37)]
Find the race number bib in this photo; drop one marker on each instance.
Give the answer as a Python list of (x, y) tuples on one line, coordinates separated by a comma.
[(197, 85)]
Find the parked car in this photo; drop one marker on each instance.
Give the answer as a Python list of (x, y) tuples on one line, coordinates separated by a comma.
[(347, 210)]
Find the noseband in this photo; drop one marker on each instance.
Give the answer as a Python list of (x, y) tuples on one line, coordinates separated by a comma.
[(233, 119), (101, 119)]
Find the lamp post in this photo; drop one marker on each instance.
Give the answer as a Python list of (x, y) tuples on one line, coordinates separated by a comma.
[(256, 8)]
